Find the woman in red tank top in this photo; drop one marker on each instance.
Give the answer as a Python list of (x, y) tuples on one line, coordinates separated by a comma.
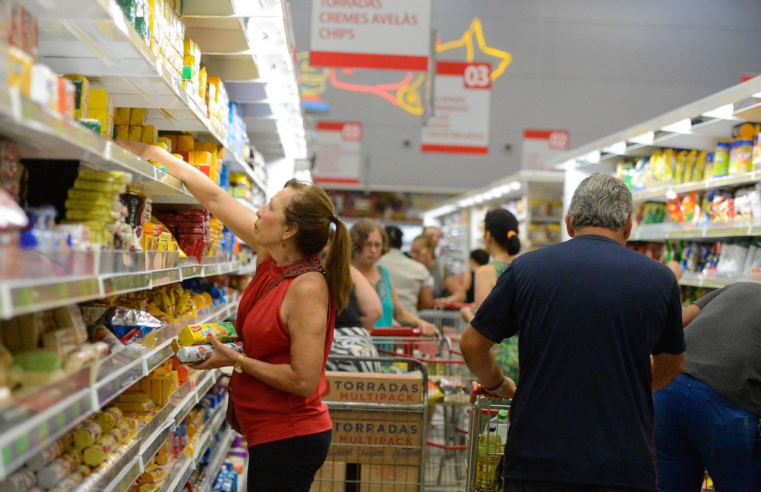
[(286, 320)]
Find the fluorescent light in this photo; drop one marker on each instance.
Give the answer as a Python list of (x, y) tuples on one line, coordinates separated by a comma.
[(515, 185), (722, 112), (463, 203), (593, 157), (303, 175), (646, 138), (506, 188), (757, 95), (569, 164), (618, 148), (671, 194), (681, 126), (478, 198)]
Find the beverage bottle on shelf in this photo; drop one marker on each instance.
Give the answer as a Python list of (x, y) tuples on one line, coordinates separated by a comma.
[(488, 458)]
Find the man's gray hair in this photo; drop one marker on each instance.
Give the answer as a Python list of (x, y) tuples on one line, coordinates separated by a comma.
[(601, 201)]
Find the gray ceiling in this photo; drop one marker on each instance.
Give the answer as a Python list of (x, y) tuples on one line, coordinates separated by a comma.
[(589, 66)]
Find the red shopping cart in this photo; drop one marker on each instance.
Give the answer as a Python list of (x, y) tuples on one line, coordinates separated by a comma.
[(449, 380)]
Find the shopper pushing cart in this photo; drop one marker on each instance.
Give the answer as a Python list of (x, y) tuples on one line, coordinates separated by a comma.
[(590, 314)]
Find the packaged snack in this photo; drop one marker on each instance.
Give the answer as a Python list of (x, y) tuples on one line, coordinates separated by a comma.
[(721, 159), (198, 334), (108, 418), (96, 454), (48, 477), (138, 117), (136, 407), (200, 353), (86, 435), (47, 455), (72, 480), (20, 481), (122, 117)]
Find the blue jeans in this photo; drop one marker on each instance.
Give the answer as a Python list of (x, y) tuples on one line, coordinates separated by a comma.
[(697, 429)]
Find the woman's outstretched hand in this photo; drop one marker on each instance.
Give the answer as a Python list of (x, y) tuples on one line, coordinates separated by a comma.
[(142, 150)]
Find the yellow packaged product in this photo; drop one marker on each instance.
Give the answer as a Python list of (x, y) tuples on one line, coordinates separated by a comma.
[(167, 142), (122, 132), (100, 203), (202, 83), (123, 117), (185, 143), (20, 71), (108, 418), (87, 435), (81, 112), (96, 454), (152, 474), (94, 215), (199, 334), (136, 407), (173, 139), (98, 99), (136, 133), (75, 194), (201, 157), (150, 134), (138, 116)]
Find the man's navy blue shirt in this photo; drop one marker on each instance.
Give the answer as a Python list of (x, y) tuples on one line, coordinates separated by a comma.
[(590, 312)]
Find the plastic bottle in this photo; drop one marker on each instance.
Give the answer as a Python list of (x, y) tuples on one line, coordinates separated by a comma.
[(502, 425), (488, 458)]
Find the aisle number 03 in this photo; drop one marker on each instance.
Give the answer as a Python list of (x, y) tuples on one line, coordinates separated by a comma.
[(477, 76)]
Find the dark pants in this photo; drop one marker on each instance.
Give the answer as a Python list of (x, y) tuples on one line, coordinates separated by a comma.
[(288, 465), (531, 486), (696, 429)]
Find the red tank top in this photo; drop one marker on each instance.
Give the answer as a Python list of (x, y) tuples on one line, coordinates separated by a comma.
[(267, 414)]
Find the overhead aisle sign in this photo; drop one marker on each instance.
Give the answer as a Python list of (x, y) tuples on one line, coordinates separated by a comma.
[(540, 146), (374, 34), (462, 105), (339, 153)]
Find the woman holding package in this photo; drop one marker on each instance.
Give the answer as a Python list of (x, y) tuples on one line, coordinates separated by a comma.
[(286, 319)]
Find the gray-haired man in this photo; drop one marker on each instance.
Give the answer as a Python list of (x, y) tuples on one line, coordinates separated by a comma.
[(590, 314)]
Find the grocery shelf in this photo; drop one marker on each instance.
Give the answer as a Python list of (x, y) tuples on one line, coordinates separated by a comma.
[(217, 460), (84, 393), (713, 281), (659, 193), (666, 231), (44, 135), (247, 204), (27, 295), (209, 430), (179, 474), (248, 269), (97, 41), (120, 475), (544, 220), (710, 119)]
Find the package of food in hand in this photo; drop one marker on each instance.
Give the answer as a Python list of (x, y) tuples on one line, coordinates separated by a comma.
[(199, 334), (199, 353)]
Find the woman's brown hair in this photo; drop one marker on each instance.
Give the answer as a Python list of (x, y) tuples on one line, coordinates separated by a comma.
[(361, 230), (313, 211)]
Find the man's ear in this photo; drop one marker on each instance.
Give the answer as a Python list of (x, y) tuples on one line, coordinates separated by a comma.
[(628, 225), (569, 227)]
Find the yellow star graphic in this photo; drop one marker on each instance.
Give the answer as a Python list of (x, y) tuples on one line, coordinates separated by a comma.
[(466, 41)]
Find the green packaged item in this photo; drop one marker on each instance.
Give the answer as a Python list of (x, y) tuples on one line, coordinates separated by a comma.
[(90, 124), (38, 361)]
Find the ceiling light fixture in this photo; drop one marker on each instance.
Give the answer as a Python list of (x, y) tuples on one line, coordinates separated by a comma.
[(722, 112), (681, 126)]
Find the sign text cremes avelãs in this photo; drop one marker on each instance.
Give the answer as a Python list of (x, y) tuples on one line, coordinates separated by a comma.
[(374, 34)]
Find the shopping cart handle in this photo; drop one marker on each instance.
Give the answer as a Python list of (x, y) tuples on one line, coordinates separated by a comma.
[(451, 306), (395, 332)]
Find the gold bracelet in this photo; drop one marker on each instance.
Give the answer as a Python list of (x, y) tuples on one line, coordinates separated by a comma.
[(238, 367)]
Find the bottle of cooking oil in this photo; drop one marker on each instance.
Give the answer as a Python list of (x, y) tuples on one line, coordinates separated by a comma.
[(487, 460)]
